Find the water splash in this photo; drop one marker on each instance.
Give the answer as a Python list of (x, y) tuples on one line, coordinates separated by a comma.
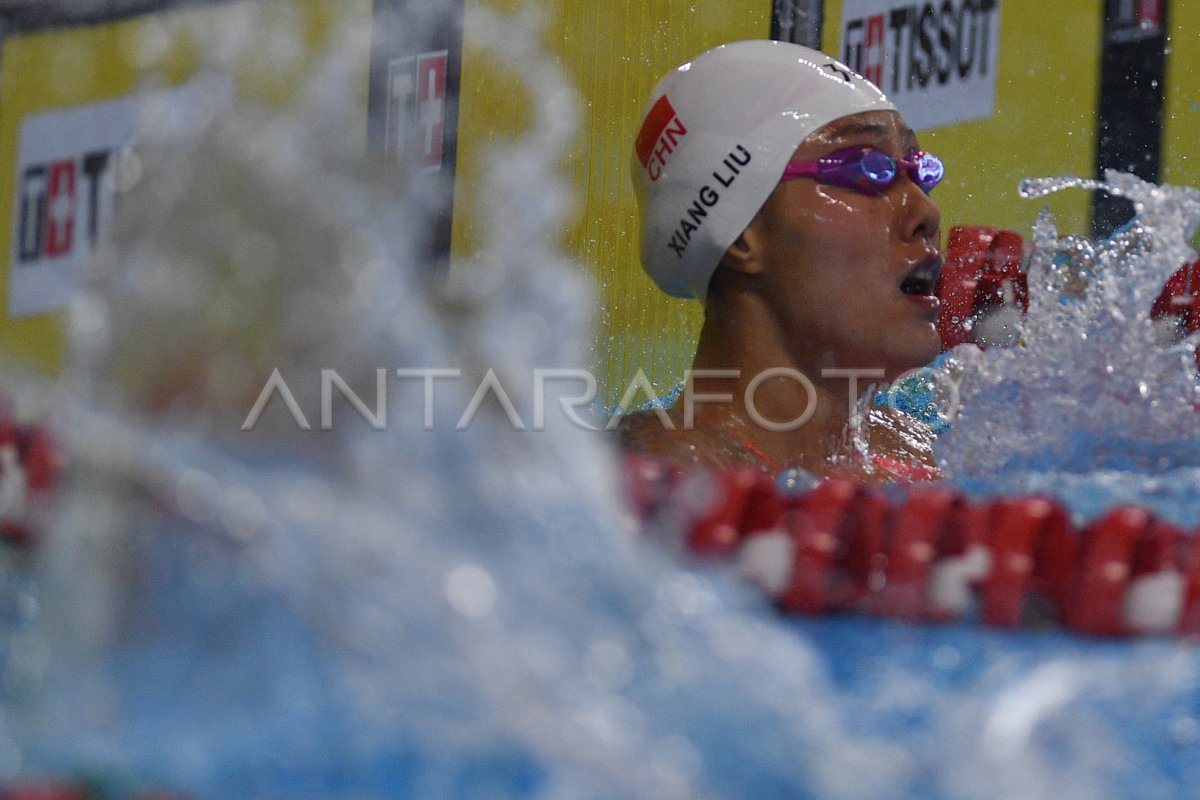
[(1093, 383)]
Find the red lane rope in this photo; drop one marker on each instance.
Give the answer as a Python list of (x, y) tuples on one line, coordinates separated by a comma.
[(929, 553)]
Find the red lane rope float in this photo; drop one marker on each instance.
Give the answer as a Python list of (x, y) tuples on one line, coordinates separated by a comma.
[(1180, 298), (981, 271), (929, 553), (46, 790), (75, 790), (29, 471)]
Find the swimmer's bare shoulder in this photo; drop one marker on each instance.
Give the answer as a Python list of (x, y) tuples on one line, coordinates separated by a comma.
[(648, 433)]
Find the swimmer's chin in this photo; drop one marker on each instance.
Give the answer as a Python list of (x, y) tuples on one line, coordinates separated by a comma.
[(925, 347)]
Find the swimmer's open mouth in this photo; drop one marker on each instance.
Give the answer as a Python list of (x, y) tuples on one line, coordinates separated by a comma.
[(922, 280)]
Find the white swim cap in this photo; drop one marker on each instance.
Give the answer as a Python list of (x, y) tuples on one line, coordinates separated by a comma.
[(717, 134)]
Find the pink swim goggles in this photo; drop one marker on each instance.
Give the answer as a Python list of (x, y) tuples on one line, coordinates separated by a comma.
[(867, 170)]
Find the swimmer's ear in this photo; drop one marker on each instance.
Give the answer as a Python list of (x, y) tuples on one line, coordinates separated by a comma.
[(745, 254)]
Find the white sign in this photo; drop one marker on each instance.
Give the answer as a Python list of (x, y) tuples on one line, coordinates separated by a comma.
[(937, 61), (64, 186)]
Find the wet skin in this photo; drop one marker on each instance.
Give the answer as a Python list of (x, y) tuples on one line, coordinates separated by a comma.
[(812, 284), (835, 259)]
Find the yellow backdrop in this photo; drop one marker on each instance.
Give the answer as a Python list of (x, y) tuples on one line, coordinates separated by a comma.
[(1181, 148)]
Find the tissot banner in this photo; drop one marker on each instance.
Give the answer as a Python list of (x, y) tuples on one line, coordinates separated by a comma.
[(937, 61), (63, 197)]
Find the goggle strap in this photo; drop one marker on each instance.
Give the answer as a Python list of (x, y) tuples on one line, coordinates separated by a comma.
[(801, 170)]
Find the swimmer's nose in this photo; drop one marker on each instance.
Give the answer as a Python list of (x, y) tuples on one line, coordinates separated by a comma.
[(922, 219)]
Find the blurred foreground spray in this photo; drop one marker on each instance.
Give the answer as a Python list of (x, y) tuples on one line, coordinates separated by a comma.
[(399, 613)]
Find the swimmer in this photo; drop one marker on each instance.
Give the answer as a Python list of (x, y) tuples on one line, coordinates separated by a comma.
[(788, 195)]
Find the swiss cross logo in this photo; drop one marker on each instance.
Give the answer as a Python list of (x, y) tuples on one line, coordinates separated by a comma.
[(659, 136), (416, 118), (60, 216)]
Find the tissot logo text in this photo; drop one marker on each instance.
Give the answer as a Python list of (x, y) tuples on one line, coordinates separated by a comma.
[(59, 206), (918, 45)]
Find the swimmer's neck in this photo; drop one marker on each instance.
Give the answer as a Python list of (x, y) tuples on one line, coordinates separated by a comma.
[(741, 334)]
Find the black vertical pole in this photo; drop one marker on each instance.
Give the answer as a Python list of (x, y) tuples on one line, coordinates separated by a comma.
[(1132, 72), (407, 108), (798, 21)]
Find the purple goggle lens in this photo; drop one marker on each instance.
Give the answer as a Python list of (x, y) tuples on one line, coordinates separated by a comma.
[(868, 170)]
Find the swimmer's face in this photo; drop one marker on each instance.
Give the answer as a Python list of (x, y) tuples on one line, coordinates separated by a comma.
[(850, 276)]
